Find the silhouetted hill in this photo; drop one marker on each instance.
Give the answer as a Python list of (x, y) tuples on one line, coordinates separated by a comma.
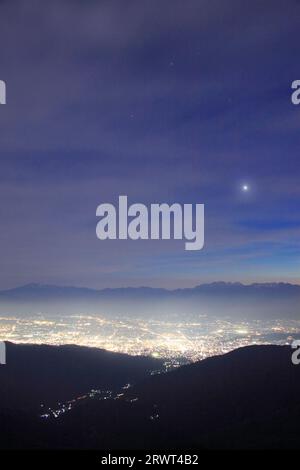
[(220, 298), (37, 374), (248, 398)]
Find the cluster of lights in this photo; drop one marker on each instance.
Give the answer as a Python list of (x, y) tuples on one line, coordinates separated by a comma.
[(172, 340)]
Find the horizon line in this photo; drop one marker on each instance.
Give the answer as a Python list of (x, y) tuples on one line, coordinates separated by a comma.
[(232, 283)]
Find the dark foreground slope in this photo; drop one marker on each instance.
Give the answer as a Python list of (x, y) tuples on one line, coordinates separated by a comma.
[(36, 374), (248, 398)]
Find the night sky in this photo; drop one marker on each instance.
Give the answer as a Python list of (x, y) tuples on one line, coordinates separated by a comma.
[(165, 101)]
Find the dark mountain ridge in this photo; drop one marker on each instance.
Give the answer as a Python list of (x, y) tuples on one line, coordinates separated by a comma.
[(43, 374), (248, 398)]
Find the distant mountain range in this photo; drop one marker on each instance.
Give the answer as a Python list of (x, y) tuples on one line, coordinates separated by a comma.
[(248, 398), (35, 290), (219, 298)]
